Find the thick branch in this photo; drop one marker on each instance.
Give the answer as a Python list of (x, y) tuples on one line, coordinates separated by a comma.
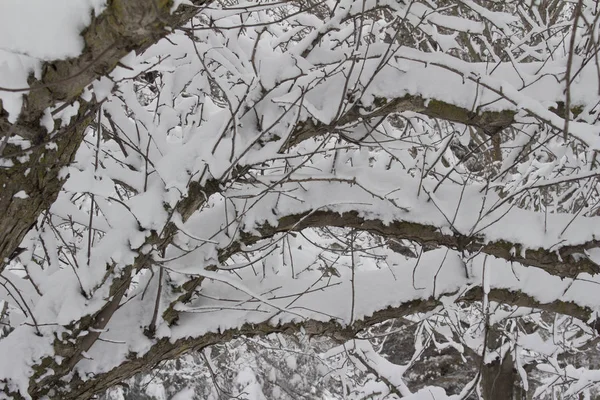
[(489, 122), (165, 349), (124, 26), (566, 261)]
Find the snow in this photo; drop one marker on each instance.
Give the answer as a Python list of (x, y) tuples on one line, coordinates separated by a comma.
[(102, 87), (21, 195), (43, 30), (446, 208), (185, 394), (186, 134), (34, 31)]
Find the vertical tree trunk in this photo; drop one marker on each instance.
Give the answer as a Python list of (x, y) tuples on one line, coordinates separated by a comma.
[(499, 380)]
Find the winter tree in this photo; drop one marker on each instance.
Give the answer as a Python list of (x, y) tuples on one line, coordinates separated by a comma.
[(401, 194)]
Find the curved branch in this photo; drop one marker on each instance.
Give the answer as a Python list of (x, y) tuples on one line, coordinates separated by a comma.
[(165, 349), (170, 347), (565, 261)]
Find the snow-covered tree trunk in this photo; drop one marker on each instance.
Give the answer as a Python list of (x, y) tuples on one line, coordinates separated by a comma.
[(31, 175)]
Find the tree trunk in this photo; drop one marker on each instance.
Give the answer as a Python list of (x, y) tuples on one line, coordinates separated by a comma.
[(499, 380), (30, 179)]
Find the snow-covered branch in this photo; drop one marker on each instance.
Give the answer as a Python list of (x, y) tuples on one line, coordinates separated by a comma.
[(177, 174)]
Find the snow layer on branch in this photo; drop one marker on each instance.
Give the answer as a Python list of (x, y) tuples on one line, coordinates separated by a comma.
[(45, 30), (34, 31), (230, 301), (14, 70), (394, 196), (193, 134)]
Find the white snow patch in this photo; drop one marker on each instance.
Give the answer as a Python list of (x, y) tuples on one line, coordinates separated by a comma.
[(21, 195)]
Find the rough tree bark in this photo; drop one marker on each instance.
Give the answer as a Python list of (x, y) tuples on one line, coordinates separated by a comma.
[(498, 379), (165, 349), (134, 25), (124, 26)]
